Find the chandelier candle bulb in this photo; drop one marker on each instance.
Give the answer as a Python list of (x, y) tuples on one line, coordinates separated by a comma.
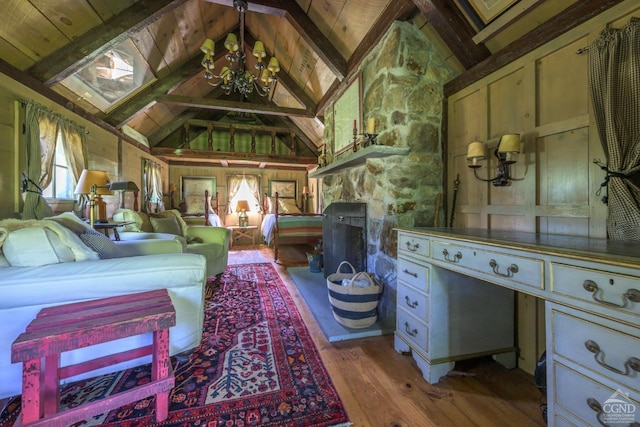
[(371, 126), (208, 46)]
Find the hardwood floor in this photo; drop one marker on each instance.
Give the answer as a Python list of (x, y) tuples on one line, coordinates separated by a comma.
[(380, 387)]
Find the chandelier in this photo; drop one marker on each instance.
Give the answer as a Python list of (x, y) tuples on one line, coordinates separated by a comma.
[(235, 77)]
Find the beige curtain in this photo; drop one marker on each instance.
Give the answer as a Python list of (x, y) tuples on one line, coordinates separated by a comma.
[(152, 187), (41, 131), (614, 73), (249, 185)]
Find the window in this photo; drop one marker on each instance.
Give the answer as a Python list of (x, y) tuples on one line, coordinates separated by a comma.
[(62, 182)]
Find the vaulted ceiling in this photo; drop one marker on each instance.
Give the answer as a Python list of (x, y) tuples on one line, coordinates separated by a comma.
[(58, 48)]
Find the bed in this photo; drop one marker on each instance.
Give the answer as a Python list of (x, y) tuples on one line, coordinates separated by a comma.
[(283, 223), (202, 210)]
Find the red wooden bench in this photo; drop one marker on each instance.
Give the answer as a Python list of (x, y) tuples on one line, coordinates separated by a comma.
[(71, 326)]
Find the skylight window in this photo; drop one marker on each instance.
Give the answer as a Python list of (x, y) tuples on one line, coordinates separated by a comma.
[(112, 77)]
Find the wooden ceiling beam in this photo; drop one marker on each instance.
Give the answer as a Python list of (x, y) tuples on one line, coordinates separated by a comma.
[(94, 43), (243, 126), (312, 35), (126, 111), (223, 104), (569, 18), (175, 154), (456, 32)]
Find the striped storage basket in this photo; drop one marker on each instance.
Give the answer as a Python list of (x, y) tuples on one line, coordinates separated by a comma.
[(353, 306)]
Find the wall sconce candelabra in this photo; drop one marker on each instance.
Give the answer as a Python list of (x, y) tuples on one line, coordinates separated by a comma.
[(508, 148)]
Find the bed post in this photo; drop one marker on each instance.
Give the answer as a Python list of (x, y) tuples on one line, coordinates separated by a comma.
[(206, 207)]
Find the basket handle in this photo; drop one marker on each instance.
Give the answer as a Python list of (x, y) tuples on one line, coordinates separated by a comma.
[(353, 270), (365, 274)]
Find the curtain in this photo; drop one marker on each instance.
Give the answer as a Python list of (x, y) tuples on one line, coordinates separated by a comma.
[(41, 131), (614, 76), (243, 187), (152, 187)]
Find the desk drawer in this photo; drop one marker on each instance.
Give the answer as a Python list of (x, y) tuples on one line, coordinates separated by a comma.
[(413, 301), (502, 267), (414, 274), (581, 397), (600, 288), (413, 330), (605, 347), (413, 244)]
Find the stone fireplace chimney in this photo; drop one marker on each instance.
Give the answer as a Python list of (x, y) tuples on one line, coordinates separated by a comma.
[(402, 88)]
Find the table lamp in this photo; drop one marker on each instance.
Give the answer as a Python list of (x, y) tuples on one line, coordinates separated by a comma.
[(95, 183), (242, 207), (124, 186)]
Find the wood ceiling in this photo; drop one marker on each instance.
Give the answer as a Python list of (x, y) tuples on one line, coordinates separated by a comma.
[(319, 43)]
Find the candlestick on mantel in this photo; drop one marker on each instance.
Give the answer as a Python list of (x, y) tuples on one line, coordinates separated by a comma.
[(371, 126)]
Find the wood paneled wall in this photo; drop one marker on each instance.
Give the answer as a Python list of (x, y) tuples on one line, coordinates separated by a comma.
[(545, 97), (106, 151)]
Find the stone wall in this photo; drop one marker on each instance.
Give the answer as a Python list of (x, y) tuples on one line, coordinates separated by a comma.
[(402, 85)]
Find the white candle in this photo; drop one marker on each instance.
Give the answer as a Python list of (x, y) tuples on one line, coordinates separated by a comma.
[(371, 126)]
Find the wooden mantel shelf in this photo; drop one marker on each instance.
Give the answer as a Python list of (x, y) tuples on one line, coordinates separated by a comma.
[(358, 158)]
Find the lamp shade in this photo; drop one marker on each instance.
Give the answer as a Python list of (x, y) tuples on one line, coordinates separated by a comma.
[(274, 65), (242, 206), (208, 46), (123, 186), (172, 187), (231, 43), (509, 143), (476, 150), (93, 177)]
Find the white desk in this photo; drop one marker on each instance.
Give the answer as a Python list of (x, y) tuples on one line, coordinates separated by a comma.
[(449, 309)]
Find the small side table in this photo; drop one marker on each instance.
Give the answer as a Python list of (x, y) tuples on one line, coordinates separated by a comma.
[(248, 232), (106, 226)]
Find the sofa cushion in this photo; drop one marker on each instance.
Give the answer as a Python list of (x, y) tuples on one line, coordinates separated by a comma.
[(167, 225), (34, 247), (31, 243)]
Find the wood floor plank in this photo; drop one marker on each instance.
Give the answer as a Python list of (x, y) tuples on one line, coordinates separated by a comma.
[(380, 387)]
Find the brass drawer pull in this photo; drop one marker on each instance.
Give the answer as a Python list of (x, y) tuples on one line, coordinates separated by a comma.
[(511, 270), (412, 332), (632, 295), (632, 363), (412, 248), (405, 271), (595, 406), (457, 257), (409, 303)]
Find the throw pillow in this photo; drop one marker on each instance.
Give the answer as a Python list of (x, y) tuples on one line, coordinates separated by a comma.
[(101, 244), (167, 224), (288, 206)]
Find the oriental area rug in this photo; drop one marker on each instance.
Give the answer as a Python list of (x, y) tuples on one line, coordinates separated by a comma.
[(256, 366)]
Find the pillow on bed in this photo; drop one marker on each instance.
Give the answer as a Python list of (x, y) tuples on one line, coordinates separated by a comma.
[(288, 206)]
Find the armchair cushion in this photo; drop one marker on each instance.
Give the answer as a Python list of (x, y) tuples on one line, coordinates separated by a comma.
[(167, 225)]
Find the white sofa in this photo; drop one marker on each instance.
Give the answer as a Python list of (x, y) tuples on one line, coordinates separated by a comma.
[(27, 287), (209, 241)]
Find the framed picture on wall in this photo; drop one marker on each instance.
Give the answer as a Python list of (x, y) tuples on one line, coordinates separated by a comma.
[(286, 189), (347, 115), (193, 188)]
